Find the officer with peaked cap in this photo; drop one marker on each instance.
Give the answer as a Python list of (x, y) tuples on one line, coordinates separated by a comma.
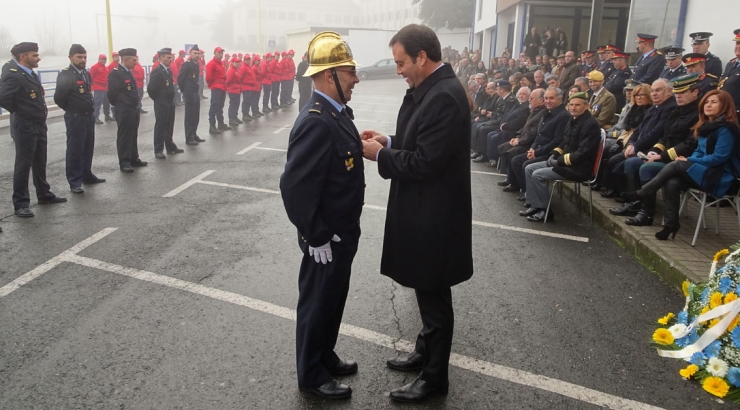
[(73, 94), (124, 95), (730, 80), (617, 80), (700, 44), (674, 61), (696, 63), (651, 62), (161, 90), (323, 189), (188, 81), (22, 94)]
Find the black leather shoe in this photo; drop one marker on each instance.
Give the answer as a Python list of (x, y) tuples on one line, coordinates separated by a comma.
[(511, 188), (233, 123), (503, 183), (97, 121), (94, 181), (526, 205), (127, 169), (344, 368), (540, 216), (213, 130), (77, 190), (609, 193), (410, 363), (191, 142), (175, 151), (224, 127), (642, 219), (160, 155), (482, 158), (52, 200), (522, 198), (628, 209), (474, 155), (109, 119), (529, 212), (24, 212), (333, 390), (138, 163), (418, 391), (199, 139)]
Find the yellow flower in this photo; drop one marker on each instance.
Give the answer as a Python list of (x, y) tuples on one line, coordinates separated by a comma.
[(732, 325), (663, 337), (730, 297), (685, 288), (664, 320), (713, 322), (720, 254), (715, 300), (689, 371), (715, 386), (703, 311)]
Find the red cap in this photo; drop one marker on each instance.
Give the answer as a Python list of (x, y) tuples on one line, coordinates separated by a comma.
[(256, 57), (115, 54), (291, 52), (285, 54), (181, 52), (102, 56), (247, 57), (620, 54), (268, 55), (218, 49)]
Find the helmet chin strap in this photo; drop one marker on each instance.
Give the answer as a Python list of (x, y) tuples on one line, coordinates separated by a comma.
[(339, 87)]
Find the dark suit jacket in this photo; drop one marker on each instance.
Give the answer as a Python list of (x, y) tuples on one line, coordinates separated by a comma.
[(21, 94), (514, 120), (161, 88), (428, 228), (652, 127), (577, 153)]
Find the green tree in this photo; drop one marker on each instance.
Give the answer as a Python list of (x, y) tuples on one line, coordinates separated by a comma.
[(450, 14)]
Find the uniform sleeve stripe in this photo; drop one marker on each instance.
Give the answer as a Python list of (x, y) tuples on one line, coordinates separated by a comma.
[(566, 158), (672, 154)]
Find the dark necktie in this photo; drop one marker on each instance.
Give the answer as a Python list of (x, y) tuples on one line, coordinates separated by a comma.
[(347, 112), (35, 77)]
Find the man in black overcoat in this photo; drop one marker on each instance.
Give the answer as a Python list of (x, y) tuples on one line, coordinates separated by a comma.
[(427, 243), (323, 190), (161, 90), (124, 95)]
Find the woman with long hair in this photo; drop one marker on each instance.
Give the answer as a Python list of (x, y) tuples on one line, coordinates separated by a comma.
[(713, 167), (480, 68), (561, 44)]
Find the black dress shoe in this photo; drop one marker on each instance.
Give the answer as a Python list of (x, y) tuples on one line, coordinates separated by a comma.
[(213, 130), (160, 155), (191, 142), (526, 205), (540, 216), (77, 190), (511, 188), (418, 391), (642, 219), (522, 198), (628, 209), (344, 368), (94, 181), (474, 155), (127, 169), (109, 119), (199, 139), (503, 183), (97, 121), (175, 151), (410, 363), (530, 211), (52, 200), (333, 390), (224, 127), (482, 158), (609, 193), (24, 212), (138, 163)]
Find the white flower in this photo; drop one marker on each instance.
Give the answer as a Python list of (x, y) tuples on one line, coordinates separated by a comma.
[(717, 367), (678, 330)]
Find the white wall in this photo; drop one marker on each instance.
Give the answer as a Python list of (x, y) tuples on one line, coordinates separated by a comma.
[(369, 46), (703, 15), (455, 39)]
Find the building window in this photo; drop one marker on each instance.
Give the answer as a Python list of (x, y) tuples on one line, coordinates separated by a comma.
[(252, 40), (272, 15), (281, 15), (398, 15), (252, 13), (291, 15), (406, 14), (347, 20), (328, 19), (356, 21), (337, 18), (301, 16)]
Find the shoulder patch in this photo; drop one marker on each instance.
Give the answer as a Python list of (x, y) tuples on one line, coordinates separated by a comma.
[(13, 69), (712, 75), (116, 68), (656, 52), (316, 109), (65, 68)]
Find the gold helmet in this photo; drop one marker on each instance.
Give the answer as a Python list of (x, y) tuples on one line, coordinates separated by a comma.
[(328, 50)]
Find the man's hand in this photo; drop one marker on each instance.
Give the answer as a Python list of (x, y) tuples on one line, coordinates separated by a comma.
[(323, 254), (370, 149), (483, 112), (652, 156), (530, 153), (374, 135), (681, 158), (514, 142), (629, 151)]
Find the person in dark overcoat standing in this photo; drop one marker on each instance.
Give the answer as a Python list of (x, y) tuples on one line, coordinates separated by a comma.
[(323, 190), (427, 244), (304, 84), (124, 95), (161, 89)]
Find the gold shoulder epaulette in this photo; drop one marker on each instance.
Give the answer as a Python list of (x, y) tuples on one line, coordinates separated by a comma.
[(317, 108), (712, 75), (13, 69), (65, 68)]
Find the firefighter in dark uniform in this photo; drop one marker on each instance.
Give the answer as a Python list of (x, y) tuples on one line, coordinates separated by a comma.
[(588, 62), (124, 95), (651, 61), (304, 84), (22, 94), (608, 67), (74, 95), (161, 90), (700, 44), (187, 80), (696, 63), (618, 79), (730, 80), (323, 191), (673, 56)]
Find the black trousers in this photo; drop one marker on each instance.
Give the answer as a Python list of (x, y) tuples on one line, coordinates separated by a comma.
[(480, 140), (275, 96), (266, 90), (246, 102), (285, 91), (216, 112), (256, 101), (613, 175), (192, 114), (507, 152), (304, 91), (234, 101), (674, 179), (434, 341), (164, 126), (322, 294), (80, 148), (128, 135), (516, 170), (30, 154)]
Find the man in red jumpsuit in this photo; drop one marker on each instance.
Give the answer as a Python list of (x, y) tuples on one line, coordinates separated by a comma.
[(256, 60), (216, 79), (139, 76), (234, 89), (266, 82), (247, 80), (275, 77), (99, 78), (175, 67)]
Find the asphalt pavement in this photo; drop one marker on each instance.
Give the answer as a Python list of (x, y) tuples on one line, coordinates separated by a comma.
[(175, 287)]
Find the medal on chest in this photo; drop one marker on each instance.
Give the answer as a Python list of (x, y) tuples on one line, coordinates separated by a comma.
[(167, 83), (349, 164), (33, 94)]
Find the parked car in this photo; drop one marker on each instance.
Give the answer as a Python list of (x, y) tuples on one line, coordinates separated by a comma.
[(382, 69)]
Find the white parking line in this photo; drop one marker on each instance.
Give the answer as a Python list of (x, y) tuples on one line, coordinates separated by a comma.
[(488, 173), (501, 372), (271, 149), (283, 128), (246, 188), (249, 148), (188, 184)]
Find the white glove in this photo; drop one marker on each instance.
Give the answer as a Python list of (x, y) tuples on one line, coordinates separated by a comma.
[(323, 253)]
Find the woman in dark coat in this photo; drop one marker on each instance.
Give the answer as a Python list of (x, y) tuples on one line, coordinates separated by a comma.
[(712, 168), (480, 68), (532, 41), (561, 44)]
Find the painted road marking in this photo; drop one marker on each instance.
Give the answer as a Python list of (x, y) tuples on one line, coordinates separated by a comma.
[(283, 128), (271, 149), (247, 188), (501, 372), (249, 148), (188, 184), (488, 173)]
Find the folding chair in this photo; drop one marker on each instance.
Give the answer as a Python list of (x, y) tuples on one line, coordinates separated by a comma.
[(701, 197), (559, 182)]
